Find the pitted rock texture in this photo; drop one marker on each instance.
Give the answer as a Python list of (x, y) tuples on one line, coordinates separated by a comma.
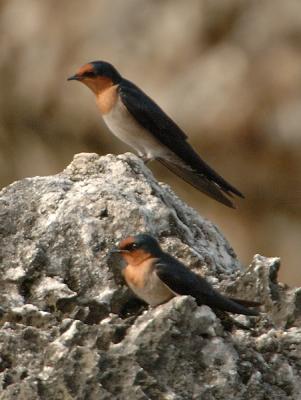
[(71, 329)]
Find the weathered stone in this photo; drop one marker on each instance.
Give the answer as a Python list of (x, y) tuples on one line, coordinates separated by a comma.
[(70, 329)]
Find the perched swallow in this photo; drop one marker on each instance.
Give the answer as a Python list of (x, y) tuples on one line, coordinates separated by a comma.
[(138, 121), (156, 277)]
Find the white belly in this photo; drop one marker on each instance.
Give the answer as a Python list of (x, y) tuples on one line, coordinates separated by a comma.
[(155, 292), (124, 126)]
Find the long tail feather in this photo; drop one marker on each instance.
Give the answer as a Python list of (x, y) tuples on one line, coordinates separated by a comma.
[(246, 303), (198, 181), (224, 303)]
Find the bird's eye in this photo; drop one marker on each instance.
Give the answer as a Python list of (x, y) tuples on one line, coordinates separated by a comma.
[(131, 247), (89, 74)]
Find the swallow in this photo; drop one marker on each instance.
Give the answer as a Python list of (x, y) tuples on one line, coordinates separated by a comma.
[(156, 277), (138, 121)]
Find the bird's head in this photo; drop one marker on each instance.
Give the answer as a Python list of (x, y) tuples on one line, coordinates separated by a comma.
[(97, 75), (136, 249)]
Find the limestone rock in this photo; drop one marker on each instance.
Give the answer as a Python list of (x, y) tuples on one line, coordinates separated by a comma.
[(70, 329)]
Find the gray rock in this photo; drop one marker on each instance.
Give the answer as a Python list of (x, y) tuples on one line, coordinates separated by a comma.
[(70, 329)]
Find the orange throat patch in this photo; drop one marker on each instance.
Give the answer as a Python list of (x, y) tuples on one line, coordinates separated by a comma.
[(105, 92), (134, 276), (137, 274), (137, 257), (106, 99)]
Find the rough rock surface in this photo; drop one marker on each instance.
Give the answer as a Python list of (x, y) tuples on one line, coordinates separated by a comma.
[(70, 329), (227, 71)]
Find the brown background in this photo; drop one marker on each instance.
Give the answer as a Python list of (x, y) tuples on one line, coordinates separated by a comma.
[(228, 71)]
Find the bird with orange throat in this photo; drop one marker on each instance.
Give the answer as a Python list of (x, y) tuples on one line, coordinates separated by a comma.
[(156, 277), (138, 121)]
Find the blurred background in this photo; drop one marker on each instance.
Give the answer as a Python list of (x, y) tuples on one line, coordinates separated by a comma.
[(227, 71)]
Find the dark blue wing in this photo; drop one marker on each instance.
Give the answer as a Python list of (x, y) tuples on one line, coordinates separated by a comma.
[(185, 282), (150, 115), (153, 118)]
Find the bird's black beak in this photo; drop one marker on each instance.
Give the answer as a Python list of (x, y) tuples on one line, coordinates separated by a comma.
[(114, 251), (118, 251), (73, 78)]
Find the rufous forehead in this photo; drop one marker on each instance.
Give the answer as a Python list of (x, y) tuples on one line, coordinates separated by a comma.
[(126, 241), (85, 68)]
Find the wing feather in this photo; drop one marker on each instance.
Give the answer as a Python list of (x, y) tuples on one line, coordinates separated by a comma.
[(182, 281), (153, 118), (199, 182)]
